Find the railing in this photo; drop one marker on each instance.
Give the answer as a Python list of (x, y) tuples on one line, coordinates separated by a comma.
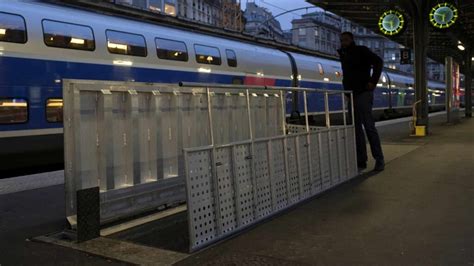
[(234, 185), (143, 145)]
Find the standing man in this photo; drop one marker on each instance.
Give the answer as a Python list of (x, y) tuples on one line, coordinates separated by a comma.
[(357, 63)]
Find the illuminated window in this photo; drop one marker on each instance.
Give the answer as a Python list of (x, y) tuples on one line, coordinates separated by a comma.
[(321, 69), (12, 28), (126, 43), (54, 110), (338, 73), (171, 50), (207, 55), (66, 35), (231, 58), (170, 8), (13, 111)]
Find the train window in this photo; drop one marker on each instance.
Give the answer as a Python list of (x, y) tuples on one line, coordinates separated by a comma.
[(13, 111), (12, 28), (171, 50), (231, 58), (54, 110), (126, 43), (207, 55), (67, 35), (321, 69)]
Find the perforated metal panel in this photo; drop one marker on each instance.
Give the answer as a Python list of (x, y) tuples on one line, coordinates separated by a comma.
[(224, 169), (293, 177), (303, 160), (316, 164), (341, 146), (325, 159), (333, 157), (262, 177), (201, 201), (244, 186), (278, 174)]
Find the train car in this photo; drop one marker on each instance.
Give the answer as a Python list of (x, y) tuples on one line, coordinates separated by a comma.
[(41, 44)]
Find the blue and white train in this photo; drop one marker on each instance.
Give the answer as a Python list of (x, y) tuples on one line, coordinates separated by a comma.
[(41, 44)]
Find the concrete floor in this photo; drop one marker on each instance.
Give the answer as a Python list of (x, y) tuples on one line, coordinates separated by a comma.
[(419, 211)]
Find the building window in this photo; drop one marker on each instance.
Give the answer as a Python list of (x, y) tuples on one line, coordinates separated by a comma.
[(231, 58), (12, 28), (301, 31), (171, 50), (126, 43), (316, 32), (207, 55), (13, 111), (54, 110), (66, 35), (170, 7)]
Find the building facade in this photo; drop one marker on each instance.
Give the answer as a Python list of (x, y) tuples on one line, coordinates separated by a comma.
[(168, 7), (260, 23), (317, 31)]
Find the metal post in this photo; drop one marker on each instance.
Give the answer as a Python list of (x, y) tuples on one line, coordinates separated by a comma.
[(283, 112), (449, 88), (468, 83), (326, 110), (308, 142), (214, 178), (420, 42), (252, 151)]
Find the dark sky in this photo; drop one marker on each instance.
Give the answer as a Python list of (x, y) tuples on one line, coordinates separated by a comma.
[(280, 6)]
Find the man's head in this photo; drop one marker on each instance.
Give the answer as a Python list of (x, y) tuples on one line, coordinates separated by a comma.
[(347, 38)]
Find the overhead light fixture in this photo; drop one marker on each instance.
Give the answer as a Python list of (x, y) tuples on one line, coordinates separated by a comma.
[(260, 74), (472, 58), (326, 79), (461, 46), (3, 31), (123, 62), (77, 41)]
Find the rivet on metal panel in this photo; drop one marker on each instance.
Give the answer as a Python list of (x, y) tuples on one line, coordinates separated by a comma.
[(106, 92)]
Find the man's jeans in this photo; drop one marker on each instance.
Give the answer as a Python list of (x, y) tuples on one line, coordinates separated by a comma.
[(363, 103)]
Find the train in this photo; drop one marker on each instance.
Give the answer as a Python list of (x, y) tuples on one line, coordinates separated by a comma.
[(43, 43)]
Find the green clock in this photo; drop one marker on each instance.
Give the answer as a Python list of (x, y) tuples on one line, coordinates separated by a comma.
[(391, 22), (443, 15)]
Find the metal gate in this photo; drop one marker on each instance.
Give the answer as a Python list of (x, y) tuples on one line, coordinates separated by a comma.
[(232, 185)]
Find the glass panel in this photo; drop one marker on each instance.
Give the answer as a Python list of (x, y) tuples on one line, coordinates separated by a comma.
[(126, 43), (54, 110), (171, 50), (207, 55), (12, 28), (231, 58), (13, 111), (65, 35)]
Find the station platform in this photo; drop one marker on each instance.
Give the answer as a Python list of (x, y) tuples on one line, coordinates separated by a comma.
[(420, 210)]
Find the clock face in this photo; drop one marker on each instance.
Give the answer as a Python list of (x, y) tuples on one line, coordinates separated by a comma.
[(443, 15), (391, 22)]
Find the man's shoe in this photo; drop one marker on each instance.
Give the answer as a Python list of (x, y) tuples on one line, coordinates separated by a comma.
[(361, 166), (379, 166)]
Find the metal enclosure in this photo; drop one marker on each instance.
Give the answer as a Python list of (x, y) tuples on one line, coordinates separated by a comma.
[(235, 183)]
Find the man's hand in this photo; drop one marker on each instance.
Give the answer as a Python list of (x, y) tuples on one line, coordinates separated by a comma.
[(370, 86)]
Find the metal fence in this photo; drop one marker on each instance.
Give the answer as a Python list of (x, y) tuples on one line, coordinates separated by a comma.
[(232, 185), (127, 138)]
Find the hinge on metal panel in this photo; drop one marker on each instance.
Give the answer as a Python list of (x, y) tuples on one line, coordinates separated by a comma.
[(124, 139), (106, 92)]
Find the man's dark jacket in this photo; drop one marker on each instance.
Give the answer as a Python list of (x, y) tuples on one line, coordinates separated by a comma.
[(357, 62)]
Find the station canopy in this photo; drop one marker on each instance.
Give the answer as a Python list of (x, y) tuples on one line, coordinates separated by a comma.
[(442, 42)]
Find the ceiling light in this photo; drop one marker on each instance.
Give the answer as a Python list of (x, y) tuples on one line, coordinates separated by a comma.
[(3, 31)]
